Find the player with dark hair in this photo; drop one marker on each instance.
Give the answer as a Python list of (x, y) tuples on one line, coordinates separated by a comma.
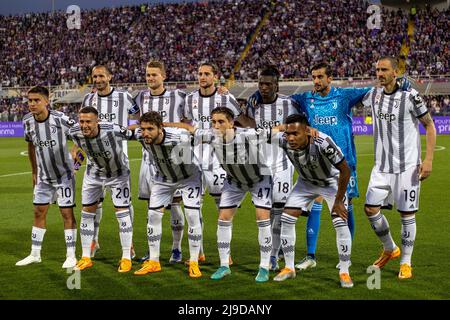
[(52, 172)]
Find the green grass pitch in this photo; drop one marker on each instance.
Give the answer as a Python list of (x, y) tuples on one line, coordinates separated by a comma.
[(47, 280)]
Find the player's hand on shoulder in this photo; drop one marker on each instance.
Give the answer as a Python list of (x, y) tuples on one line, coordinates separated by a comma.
[(254, 99), (312, 132), (222, 90), (404, 83)]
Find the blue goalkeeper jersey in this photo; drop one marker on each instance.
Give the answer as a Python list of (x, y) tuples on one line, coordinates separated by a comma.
[(332, 115)]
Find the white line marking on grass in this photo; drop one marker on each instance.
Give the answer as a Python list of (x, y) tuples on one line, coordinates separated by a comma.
[(29, 172)]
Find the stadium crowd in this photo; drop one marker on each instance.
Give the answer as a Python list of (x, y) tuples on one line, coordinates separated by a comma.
[(181, 35)]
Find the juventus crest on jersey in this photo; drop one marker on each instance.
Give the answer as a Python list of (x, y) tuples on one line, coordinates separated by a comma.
[(113, 107), (49, 139), (317, 163), (268, 115), (106, 158), (396, 128), (198, 107), (169, 104)]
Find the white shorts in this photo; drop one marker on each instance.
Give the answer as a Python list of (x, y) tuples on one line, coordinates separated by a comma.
[(93, 190), (146, 182), (64, 193), (403, 189), (304, 193), (190, 190), (282, 184), (261, 192), (214, 180)]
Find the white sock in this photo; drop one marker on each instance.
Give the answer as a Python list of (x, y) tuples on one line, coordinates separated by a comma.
[(177, 224), (37, 236), (288, 238), (380, 225), (194, 233), (71, 241), (125, 232), (408, 237), (154, 232), (265, 242), (276, 230), (98, 218), (224, 241), (343, 242), (87, 232)]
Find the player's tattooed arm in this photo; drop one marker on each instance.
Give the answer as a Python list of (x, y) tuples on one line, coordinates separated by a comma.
[(32, 157), (427, 165)]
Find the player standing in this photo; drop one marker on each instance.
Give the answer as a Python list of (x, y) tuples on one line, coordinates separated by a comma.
[(322, 170), (273, 111), (198, 108), (170, 105), (113, 106), (172, 151), (52, 172), (241, 152), (398, 167), (107, 167)]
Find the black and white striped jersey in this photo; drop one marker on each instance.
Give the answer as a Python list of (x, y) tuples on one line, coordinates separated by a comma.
[(106, 157), (169, 104), (53, 159), (396, 128), (317, 163), (173, 157), (113, 107), (198, 107), (243, 158), (270, 115)]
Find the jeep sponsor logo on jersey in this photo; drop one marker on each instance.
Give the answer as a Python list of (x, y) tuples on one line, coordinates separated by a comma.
[(107, 116), (327, 120), (46, 143), (389, 117), (102, 154)]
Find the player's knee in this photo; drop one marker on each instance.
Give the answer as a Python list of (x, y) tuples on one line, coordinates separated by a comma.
[(370, 211), (67, 215), (294, 212), (405, 214), (154, 216), (319, 199), (40, 212)]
